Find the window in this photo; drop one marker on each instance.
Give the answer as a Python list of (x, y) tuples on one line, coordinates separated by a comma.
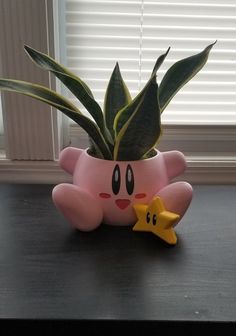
[(200, 121), (135, 33)]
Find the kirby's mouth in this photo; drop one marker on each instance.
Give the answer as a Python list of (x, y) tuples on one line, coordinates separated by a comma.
[(122, 203)]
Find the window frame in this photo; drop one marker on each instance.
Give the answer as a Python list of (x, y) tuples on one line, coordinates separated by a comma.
[(38, 137)]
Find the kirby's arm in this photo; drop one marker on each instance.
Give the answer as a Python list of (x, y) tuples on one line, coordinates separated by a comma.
[(175, 163), (68, 158)]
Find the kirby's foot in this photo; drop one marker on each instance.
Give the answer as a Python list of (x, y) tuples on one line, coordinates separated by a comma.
[(176, 197), (80, 208)]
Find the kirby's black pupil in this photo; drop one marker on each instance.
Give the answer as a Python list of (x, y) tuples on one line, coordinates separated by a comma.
[(148, 217), (116, 180), (129, 180)]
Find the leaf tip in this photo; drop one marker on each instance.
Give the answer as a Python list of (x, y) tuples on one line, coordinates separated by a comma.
[(28, 50), (117, 67), (212, 44), (208, 48), (116, 70), (167, 51)]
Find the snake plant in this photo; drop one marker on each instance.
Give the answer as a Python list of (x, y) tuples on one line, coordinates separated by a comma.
[(126, 129)]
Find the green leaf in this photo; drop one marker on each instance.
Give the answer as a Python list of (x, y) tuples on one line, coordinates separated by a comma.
[(124, 114), (159, 62), (93, 149), (179, 74), (73, 83), (149, 154), (48, 63), (142, 130), (116, 97), (35, 90), (54, 99)]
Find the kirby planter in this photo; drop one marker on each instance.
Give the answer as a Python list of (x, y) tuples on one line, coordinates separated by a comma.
[(106, 191), (121, 179)]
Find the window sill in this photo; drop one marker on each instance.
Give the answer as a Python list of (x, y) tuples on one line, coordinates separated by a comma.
[(209, 150), (213, 170)]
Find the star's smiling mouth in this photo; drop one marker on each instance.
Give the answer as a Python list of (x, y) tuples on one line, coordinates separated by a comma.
[(122, 203)]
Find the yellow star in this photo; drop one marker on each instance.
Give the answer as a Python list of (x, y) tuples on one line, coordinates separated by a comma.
[(156, 219)]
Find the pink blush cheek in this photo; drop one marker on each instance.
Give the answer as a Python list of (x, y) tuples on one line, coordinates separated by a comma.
[(140, 196), (105, 195)]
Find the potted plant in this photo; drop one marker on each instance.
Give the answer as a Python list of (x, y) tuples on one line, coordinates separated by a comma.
[(122, 167)]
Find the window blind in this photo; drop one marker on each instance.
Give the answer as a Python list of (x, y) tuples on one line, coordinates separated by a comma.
[(135, 33)]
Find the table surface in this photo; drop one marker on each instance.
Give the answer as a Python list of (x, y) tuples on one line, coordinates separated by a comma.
[(50, 271)]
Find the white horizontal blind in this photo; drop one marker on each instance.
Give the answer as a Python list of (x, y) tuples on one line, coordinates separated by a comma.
[(98, 35), (135, 33)]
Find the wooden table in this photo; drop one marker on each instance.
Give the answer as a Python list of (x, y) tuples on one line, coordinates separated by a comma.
[(53, 275)]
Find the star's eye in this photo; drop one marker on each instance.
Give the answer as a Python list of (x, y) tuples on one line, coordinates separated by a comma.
[(116, 180), (154, 219), (148, 217), (129, 178)]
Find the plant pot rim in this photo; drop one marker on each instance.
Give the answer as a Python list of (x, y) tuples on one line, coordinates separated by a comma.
[(119, 161)]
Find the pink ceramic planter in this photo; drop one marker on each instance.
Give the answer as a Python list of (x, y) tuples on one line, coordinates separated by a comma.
[(105, 191)]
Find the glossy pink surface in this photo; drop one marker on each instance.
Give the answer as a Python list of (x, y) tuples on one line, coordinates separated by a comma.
[(105, 191)]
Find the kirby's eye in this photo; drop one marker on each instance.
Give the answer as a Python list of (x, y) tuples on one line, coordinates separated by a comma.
[(129, 178), (116, 180), (148, 217), (154, 219)]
